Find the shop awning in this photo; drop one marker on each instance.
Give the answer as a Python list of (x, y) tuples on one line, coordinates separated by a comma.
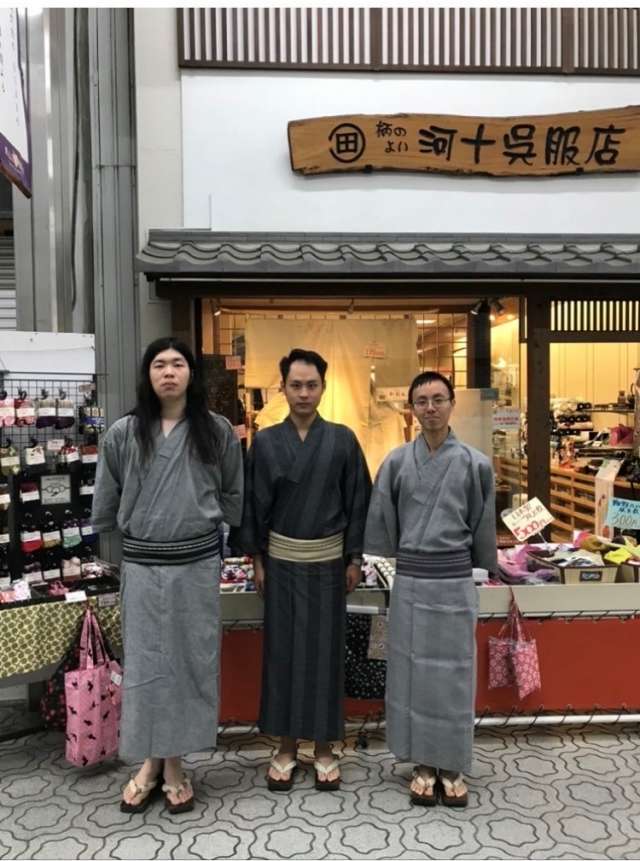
[(192, 255)]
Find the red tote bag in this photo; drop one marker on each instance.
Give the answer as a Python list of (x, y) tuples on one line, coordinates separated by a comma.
[(513, 656)]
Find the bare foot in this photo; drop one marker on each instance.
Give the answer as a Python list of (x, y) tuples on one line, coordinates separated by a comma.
[(175, 776), (453, 784), (149, 773), (283, 758), (424, 781)]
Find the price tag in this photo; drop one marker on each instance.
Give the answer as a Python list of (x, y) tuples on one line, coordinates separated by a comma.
[(46, 411), (5, 499), (233, 363), (86, 489), (71, 532), (89, 458), (4, 538), (108, 600), (623, 513), (32, 577), (30, 496), (25, 412), (506, 418), (87, 530), (51, 574), (55, 444), (7, 412), (51, 536), (116, 678), (65, 412), (75, 597), (34, 456), (10, 461), (69, 456), (528, 520)]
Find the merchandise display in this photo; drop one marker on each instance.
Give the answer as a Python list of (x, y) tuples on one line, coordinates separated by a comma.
[(47, 478)]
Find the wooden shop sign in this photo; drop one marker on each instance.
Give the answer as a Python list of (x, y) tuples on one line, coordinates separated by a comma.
[(545, 145)]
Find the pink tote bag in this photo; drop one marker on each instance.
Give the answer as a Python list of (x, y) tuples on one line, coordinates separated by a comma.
[(94, 695)]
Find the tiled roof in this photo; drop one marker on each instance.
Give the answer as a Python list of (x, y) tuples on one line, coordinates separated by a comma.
[(203, 253)]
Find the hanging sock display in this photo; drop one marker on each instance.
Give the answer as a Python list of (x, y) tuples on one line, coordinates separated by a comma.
[(65, 413), (45, 411), (7, 410), (25, 411)]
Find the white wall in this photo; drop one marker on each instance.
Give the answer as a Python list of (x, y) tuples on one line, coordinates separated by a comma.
[(236, 172)]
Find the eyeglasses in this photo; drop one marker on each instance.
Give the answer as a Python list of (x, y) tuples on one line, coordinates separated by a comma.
[(437, 402)]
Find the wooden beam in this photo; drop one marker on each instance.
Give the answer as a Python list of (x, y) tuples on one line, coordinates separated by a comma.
[(538, 395)]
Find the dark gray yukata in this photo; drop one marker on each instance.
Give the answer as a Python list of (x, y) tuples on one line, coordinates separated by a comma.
[(434, 512), (304, 490), (170, 613)]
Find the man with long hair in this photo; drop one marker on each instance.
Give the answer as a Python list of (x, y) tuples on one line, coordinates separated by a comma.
[(433, 509), (169, 473), (306, 496)]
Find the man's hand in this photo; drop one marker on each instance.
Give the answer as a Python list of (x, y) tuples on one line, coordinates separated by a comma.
[(258, 575), (353, 576)]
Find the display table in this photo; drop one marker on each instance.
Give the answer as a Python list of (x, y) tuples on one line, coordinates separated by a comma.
[(586, 636)]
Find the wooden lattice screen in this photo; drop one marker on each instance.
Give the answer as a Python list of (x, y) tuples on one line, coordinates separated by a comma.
[(591, 41)]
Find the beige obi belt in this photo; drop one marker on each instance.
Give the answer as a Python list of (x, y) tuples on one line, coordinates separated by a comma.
[(303, 550)]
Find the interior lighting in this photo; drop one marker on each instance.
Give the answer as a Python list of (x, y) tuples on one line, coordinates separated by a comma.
[(425, 322), (481, 307), (217, 310)]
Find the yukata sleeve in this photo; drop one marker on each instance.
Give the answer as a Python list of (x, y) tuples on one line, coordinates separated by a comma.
[(108, 485), (381, 533), (251, 535), (484, 551), (232, 490), (356, 493)]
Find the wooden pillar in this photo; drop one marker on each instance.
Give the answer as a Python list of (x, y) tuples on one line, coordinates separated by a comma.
[(479, 350), (183, 324), (538, 395)]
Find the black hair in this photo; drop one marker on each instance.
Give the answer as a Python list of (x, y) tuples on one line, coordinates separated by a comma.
[(430, 377), (204, 436), (299, 355)]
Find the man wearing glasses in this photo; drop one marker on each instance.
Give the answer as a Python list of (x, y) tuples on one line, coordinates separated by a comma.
[(433, 509)]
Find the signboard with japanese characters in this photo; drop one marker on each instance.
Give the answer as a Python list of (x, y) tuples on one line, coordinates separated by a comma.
[(580, 142), (14, 132)]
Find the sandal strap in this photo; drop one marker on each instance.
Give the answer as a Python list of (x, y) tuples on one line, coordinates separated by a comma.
[(177, 788), (456, 783), (326, 769), (283, 769), (427, 782), (140, 788)]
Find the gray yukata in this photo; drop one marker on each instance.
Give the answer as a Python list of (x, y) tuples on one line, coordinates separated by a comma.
[(434, 512), (170, 613)]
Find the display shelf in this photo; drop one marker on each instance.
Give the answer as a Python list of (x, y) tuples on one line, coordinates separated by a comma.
[(572, 494)]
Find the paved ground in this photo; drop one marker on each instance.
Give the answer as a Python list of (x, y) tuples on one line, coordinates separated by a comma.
[(536, 793)]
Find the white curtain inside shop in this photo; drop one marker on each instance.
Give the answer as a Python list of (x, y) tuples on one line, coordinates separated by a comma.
[(364, 356)]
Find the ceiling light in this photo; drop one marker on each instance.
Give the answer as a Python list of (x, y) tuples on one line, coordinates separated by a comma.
[(425, 322), (481, 307), (217, 310)]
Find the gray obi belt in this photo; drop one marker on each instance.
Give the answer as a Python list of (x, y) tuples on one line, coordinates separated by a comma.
[(306, 550), (434, 566), (145, 552)]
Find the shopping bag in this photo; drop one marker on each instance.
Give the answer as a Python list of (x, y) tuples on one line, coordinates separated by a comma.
[(53, 703), (93, 697), (513, 656)]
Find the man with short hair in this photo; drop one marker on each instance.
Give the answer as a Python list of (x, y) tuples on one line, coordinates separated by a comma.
[(433, 508), (307, 491)]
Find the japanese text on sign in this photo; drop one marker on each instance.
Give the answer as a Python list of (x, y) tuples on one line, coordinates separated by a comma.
[(578, 142), (528, 520), (623, 513)]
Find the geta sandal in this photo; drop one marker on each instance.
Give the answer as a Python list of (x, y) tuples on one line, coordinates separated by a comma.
[(288, 768), (447, 791), (327, 785), (424, 799), (178, 789), (143, 789)]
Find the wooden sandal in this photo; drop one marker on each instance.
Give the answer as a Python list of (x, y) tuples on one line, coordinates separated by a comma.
[(327, 785), (447, 791), (143, 789), (288, 768), (424, 799), (178, 789)]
